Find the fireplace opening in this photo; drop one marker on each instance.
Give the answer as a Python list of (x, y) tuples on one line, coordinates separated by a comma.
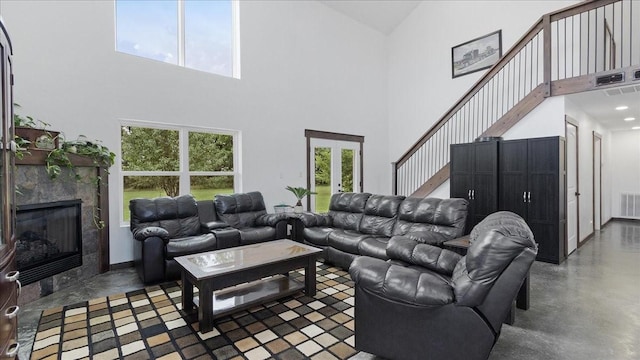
[(48, 239)]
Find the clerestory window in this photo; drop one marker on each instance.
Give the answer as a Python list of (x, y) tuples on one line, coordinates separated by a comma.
[(197, 34)]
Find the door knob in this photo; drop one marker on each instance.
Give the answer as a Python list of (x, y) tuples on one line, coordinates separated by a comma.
[(577, 193)]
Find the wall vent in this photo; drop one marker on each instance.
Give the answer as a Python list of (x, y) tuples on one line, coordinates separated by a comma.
[(630, 205), (609, 79), (622, 90), (636, 75)]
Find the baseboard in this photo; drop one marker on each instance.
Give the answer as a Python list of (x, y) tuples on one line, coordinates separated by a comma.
[(625, 220), (122, 265), (589, 237)]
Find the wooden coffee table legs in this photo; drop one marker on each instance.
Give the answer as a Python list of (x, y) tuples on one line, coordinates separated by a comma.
[(310, 277), (205, 302)]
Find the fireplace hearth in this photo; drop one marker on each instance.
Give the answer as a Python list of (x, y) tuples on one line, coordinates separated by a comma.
[(48, 239)]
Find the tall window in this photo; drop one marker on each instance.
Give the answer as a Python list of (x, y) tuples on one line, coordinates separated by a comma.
[(198, 34), (169, 161)]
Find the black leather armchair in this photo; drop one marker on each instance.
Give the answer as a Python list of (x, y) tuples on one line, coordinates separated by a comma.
[(164, 228), (246, 212), (426, 302)]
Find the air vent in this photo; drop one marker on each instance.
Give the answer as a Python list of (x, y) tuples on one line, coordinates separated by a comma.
[(609, 79), (630, 205), (636, 75), (622, 90)]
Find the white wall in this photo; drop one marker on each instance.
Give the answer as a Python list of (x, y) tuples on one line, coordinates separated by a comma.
[(586, 126), (421, 89), (304, 66), (625, 167)]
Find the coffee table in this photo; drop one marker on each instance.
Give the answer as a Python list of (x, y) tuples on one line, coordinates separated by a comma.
[(244, 276)]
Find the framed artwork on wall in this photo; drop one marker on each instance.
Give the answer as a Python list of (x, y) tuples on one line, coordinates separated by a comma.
[(477, 54)]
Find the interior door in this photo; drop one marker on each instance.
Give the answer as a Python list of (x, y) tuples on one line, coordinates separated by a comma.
[(335, 168), (572, 187)]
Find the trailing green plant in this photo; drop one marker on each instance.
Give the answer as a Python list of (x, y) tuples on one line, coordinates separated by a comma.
[(58, 158), (300, 193), (27, 121)]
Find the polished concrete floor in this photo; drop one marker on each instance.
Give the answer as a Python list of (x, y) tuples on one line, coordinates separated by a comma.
[(586, 308)]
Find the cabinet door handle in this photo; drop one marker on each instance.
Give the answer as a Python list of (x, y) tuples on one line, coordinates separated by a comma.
[(12, 350), (524, 196), (12, 275), (529, 196), (469, 195), (473, 194), (12, 312)]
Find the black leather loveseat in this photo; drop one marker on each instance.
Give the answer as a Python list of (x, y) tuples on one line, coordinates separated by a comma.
[(427, 302), (165, 228), (362, 224)]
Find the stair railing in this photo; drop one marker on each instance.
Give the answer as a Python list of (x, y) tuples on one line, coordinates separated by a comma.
[(559, 54)]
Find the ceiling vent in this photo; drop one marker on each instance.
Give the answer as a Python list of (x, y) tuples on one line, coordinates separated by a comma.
[(622, 90), (609, 79)]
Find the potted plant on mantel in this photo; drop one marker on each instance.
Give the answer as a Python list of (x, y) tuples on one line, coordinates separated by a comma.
[(32, 134), (299, 193)]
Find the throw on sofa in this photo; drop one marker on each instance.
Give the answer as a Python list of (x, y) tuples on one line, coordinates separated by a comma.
[(362, 224), (435, 303)]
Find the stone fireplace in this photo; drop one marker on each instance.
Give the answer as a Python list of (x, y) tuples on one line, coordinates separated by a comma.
[(69, 241)]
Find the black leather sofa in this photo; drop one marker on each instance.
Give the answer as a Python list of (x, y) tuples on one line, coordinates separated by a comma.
[(426, 302), (165, 228), (362, 224)]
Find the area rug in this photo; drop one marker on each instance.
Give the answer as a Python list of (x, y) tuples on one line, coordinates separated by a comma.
[(148, 324)]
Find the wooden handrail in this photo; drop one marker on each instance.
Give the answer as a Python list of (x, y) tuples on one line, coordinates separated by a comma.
[(544, 20)]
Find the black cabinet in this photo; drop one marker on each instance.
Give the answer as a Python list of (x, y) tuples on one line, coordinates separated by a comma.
[(532, 185), (474, 176), (525, 176)]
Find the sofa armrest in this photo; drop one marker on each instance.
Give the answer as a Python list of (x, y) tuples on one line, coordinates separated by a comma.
[(428, 237), (399, 283), (270, 219), (431, 257), (309, 219), (143, 233), (212, 225)]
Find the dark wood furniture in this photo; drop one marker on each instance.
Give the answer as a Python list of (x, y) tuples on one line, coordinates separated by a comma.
[(524, 176), (474, 176), (9, 283), (249, 265), (532, 185)]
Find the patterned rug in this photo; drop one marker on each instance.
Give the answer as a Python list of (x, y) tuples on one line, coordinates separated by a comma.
[(148, 324)]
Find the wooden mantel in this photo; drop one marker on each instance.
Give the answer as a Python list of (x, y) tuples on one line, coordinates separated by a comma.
[(37, 157)]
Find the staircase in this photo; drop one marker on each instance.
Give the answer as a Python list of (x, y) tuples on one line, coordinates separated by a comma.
[(593, 44)]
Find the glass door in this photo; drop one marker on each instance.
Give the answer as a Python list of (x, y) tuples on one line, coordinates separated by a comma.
[(334, 168)]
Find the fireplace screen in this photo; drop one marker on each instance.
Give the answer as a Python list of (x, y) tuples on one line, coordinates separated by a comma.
[(49, 239)]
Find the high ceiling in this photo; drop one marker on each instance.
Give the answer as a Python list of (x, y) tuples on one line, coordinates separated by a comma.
[(381, 15)]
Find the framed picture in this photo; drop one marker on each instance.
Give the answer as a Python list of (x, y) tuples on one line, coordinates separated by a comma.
[(477, 54)]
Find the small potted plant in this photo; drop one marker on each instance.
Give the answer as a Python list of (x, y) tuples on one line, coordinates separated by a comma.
[(300, 193)]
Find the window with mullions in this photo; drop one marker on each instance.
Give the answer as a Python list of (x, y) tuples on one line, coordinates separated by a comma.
[(197, 34), (172, 161)]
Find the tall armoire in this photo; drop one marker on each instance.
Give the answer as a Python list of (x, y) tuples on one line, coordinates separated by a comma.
[(9, 283)]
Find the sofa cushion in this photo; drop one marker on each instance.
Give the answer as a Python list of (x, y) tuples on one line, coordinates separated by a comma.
[(179, 215), (380, 215), (257, 234), (346, 240), (345, 209), (446, 216), (240, 210), (190, 245), (374, 246), (317, 235)]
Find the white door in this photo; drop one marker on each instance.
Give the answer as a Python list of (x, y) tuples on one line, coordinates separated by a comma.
[(334, 168), (597, 186), (572, 187)]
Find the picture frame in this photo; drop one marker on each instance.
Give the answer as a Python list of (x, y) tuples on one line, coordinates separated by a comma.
[(477, 54)]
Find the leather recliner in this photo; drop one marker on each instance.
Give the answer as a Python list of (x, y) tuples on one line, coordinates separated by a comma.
[(427, 302), (165, 228), (246, 212)]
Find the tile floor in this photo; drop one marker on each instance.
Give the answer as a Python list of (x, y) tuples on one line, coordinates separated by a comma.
[(585, 308)]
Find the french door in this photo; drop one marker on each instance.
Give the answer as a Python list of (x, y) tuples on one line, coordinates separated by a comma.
[(334, 167)]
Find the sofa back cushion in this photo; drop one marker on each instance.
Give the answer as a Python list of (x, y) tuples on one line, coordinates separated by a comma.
[(494, 243), (240, 210), (446, 216), (178, 215), (345, 209), (380, 213)]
